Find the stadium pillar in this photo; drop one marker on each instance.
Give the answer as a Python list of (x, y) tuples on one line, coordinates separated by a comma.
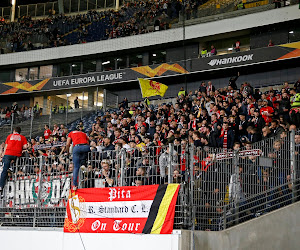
[(61, 6), (45, 105), (99, 65), (145, 58), (91, 98), (117, 4), (13, 10)]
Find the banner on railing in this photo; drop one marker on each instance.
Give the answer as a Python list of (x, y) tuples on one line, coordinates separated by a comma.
[(26, 191), (50, 145), (144, 209), (244, 153)]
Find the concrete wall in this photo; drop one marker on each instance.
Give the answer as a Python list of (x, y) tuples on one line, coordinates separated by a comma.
[(277, 230), (29, 239), (156, 38)]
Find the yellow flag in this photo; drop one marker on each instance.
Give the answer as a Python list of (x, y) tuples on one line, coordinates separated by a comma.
[(152, 88)]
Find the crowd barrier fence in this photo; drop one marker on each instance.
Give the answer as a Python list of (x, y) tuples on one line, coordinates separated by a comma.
[(218, 188)]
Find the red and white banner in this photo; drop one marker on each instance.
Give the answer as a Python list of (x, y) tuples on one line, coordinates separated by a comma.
[(143, 209), (244, 153)]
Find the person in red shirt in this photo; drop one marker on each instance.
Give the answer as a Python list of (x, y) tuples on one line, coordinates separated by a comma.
[(266, 112), (47, 132), (80, 151), (14, 145)]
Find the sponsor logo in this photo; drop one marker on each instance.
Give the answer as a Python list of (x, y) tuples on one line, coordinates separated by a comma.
[(160, 70), (230, 60), (25, 86)]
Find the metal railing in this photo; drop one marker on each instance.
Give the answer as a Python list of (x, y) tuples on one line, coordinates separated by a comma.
[(218, 188), (37, 10)]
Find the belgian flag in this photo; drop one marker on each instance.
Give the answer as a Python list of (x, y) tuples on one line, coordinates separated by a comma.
[(162, 211)]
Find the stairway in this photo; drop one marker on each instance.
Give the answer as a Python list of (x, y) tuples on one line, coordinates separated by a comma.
[(39, 123)]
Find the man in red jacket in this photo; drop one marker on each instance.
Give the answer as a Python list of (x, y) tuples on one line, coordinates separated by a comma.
[(47, 132), (14, 145), (81, 148), (266, 112)]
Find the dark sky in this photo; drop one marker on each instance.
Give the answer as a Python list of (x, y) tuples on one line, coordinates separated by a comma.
[(5, 3)]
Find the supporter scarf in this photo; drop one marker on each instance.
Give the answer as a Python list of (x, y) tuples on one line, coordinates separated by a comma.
[(182, 161), (209, 88), (116, 140), (224, 135), (206, 163), (193, 124)]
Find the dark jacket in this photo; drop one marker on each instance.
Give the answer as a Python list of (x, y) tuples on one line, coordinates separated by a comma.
[(230, 139)]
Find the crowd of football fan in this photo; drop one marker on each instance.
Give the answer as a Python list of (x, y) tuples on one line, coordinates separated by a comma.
[(131, 19), (207, 117), (140, 138)]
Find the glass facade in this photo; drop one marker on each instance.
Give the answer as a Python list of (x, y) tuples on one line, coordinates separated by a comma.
[(135, 60), (46, 71), (4, 76), (76, 68), (21, 75), (64, 69), (121, 62), (108, 64), (89, 66), (158, 56), (33, 73)]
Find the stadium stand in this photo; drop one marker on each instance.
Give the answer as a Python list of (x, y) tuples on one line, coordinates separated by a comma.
[(131, 19), (233, 147), (211, 121)]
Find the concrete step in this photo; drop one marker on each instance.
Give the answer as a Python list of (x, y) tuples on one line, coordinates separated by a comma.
[(39, 123)]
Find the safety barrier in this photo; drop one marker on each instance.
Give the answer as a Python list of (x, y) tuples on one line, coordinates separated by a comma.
[(218, 188)]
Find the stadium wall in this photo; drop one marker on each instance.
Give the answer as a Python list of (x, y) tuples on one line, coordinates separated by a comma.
[(156, 38), (47, 239), (276, 230)]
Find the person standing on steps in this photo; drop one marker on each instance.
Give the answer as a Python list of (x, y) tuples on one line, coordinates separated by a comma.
[(14, 145), (81, 148)]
